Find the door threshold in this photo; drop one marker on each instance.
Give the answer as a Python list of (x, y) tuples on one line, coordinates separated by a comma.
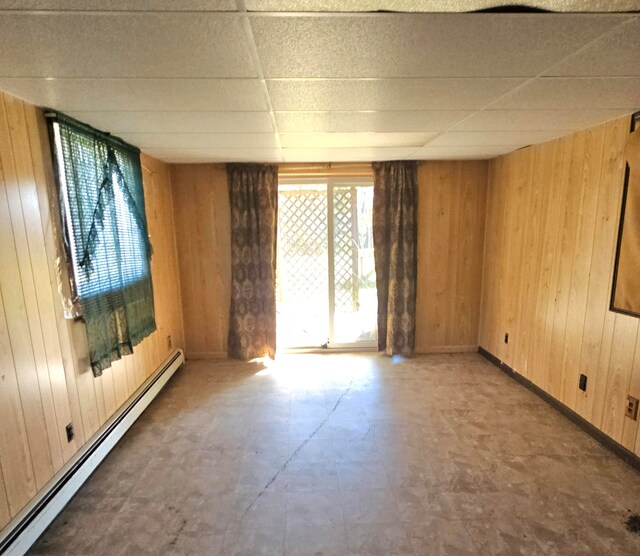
[(345, 349)]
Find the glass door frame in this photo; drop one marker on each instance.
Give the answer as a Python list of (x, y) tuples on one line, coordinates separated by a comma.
[(331, 183)]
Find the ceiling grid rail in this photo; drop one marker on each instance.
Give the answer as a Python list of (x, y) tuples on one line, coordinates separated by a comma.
[(253, 51)]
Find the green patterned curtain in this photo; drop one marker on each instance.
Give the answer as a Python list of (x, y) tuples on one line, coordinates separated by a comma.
[(253, 195), (395, 238), (105, 226)]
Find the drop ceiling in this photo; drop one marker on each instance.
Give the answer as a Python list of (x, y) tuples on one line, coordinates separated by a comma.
[(274, 81)]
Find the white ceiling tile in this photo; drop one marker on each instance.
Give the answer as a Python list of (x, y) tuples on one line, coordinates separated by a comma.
[(139, 94), (202, 140), (345, 140), (437, 5), (615, 54), (574, 93), (387, 94), (123, 45), (430, 45), (536, 120), (346, 155), (493, 138), (215, 155), (462, 152), (168, 76), (321, 5), (387, 121), (119, 5), (178, 122)]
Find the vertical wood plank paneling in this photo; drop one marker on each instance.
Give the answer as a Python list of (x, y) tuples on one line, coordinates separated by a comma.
[(581, 264), (625, 334), (203, 228), (18, 292), (451, 217), (533, 315), (630, 427), (118, 372), (450, 269), (202, 217), (33, 271), (548, 165), (530, 316), (45, 377), (527, 252), (88, 388), (23, 204), (32, 214), (521, 257), (165, 213), (634, 390), (101, 410), (63, 355), (502, 261), (433, 207), (431, 312), (184, 190), (561, 273), (5, 515), (474, 178), (598, 323), (488, 325), (602, 375), (462, 309), (560, 184), (572, 210), (130, 373), (471, 240), (425, 244), (17, 468)]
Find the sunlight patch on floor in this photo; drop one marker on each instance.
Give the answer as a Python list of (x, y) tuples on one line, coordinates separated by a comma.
[(313, 371)]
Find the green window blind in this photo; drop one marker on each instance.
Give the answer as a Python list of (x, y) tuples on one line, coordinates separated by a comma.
[(102, 200)]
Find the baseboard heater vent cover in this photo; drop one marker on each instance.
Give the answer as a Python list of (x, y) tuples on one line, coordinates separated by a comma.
[(25, 529)]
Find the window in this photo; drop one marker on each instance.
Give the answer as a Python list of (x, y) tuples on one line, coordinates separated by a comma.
[(106, 239)]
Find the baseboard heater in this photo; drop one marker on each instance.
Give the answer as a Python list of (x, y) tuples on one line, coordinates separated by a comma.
[(25, 529)]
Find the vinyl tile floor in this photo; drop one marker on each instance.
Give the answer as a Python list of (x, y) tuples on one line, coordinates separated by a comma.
[(351, 454)]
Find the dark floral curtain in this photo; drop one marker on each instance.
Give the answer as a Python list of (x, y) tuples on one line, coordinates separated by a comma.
[(253, 195), (395, 235)]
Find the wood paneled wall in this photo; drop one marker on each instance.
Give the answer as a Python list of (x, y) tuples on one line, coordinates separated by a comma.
[(451, 215), (45, 379), (203, 234), (552, 222), (451, 225)]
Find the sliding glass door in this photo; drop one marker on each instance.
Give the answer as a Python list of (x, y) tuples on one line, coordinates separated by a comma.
[(326, 277)]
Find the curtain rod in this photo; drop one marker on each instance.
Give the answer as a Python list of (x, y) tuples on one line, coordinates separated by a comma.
[(346, 169), (323, 165), (90, 130)]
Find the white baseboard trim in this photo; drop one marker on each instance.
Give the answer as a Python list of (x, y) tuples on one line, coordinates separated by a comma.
[(27, 527)]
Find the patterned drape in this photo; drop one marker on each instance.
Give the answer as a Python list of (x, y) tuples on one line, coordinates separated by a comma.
[(253, 195), (395, 234)]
